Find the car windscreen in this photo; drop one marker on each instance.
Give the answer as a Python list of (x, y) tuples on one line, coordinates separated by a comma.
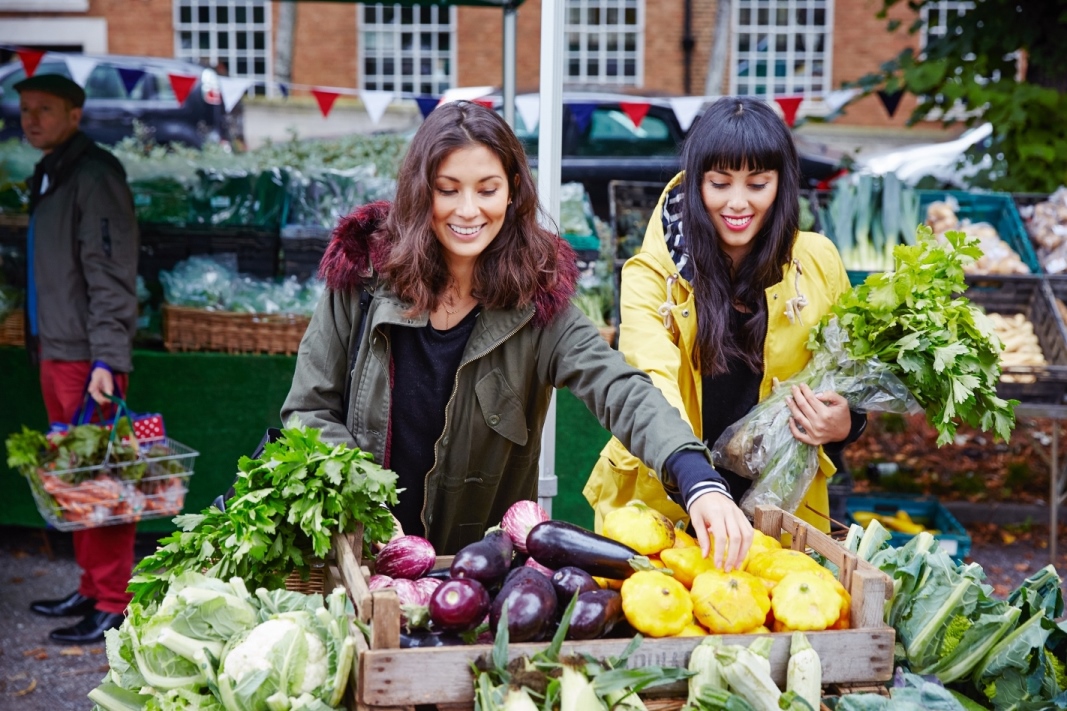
[(610, 132)]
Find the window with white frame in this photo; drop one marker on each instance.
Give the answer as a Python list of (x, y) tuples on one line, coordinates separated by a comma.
[(232, 36), (409, 50), (938, 16), (605, 40), (781, 48)]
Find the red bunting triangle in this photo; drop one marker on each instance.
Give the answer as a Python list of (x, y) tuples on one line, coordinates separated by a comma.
[(635, 110), (182, 84), (325, 99), (789, 105), (487, 103), (30, 59)]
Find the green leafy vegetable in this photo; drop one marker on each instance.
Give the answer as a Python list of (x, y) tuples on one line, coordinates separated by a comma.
[(286, 507), (938, 343)]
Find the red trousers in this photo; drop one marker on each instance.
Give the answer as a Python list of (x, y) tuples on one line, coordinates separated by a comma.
[(104, 554)]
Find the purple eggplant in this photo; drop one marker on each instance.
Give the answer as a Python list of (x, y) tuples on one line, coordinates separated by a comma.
[(418, 639), (569, 580), (531, 604), (408, 557), (487, 560), (555, 544), (595, 614), (458, 605)]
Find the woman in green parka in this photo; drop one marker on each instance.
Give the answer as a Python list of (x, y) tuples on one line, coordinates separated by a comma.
[(468, 329), (718, 304)]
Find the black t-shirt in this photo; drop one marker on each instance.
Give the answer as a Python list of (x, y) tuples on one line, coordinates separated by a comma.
[(425, 361), (728, 398)]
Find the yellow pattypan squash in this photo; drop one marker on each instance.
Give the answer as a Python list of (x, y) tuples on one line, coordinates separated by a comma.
[(641, 527), (656, 604), (729, 603), (686, 563), (692, 630), (775, 564), (805, 601), (682, 539)]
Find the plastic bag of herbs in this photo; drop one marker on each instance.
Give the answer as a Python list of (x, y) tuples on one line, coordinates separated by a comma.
[(900, 339)]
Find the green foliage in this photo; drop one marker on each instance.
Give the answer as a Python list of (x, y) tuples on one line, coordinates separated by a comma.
[(974, 67), (939, 344), (286, 506)]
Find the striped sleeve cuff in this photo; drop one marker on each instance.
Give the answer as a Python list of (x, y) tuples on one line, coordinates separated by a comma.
[(690, 475)]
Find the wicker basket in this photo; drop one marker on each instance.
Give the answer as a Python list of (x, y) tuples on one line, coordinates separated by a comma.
[(12, 330), (187, 329)]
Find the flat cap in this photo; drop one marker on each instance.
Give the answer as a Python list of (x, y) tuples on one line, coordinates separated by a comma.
[(56, 84)]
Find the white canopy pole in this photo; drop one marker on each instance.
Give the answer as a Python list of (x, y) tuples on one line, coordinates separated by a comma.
[(510, 22), (549, 151)]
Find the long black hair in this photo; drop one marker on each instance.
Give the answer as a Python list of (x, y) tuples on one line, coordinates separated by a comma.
[(737, 133)]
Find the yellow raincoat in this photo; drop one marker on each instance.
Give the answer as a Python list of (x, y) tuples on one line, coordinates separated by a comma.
[(658, 335)]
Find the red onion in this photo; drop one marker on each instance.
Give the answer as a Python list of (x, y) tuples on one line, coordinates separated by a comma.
[(519, 519), (408, 557)]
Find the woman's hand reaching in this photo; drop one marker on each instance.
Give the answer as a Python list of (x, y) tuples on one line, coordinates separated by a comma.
[(730, 532), (818, 419)]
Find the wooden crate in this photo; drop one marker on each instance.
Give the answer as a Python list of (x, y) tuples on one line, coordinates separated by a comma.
[(187, 329), (12, 329), (394, 679)]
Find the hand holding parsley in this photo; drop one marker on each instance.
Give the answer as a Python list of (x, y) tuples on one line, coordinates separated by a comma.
[(900, 338)]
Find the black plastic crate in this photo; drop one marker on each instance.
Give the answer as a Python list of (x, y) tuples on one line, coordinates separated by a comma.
[(1032, 297), (252, 251), (302, 249)]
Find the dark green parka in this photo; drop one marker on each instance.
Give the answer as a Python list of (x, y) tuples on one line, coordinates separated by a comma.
[(487, 457)]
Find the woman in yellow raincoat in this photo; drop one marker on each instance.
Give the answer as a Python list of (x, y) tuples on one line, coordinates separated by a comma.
[(718, 305)]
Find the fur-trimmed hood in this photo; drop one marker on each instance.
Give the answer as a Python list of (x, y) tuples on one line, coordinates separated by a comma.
[(354, 254)]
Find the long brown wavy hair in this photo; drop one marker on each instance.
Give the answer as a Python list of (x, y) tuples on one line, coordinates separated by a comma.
[(523, 259), (738, 133)]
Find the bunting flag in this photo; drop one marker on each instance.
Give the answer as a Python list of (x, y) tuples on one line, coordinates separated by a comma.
[(427, 104), (376, 102), (890, 100), (325, 99), (582, 113), (80, 68), (529, 108), (635, 110), (30, 59), (182, 84), (836, 100), (129, 77), (789, 105), (686, 109), (487, 103), (232, 89), (284, 89)]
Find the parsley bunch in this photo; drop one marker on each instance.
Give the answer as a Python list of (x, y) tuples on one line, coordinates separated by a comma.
[(941, 346), (286, 506)]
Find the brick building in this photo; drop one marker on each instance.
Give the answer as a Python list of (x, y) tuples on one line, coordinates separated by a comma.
[(776, 47)]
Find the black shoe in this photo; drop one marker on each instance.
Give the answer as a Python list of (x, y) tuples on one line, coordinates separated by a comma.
[(72, 605), (90, 629)]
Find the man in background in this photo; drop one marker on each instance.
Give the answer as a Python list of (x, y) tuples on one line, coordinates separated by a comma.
[(81, 314)]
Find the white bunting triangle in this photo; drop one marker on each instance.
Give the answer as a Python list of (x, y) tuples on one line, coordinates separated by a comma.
[(233, 88), (686, 109), (529, 108), (80, 68), (837, 99), (376, 102)]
